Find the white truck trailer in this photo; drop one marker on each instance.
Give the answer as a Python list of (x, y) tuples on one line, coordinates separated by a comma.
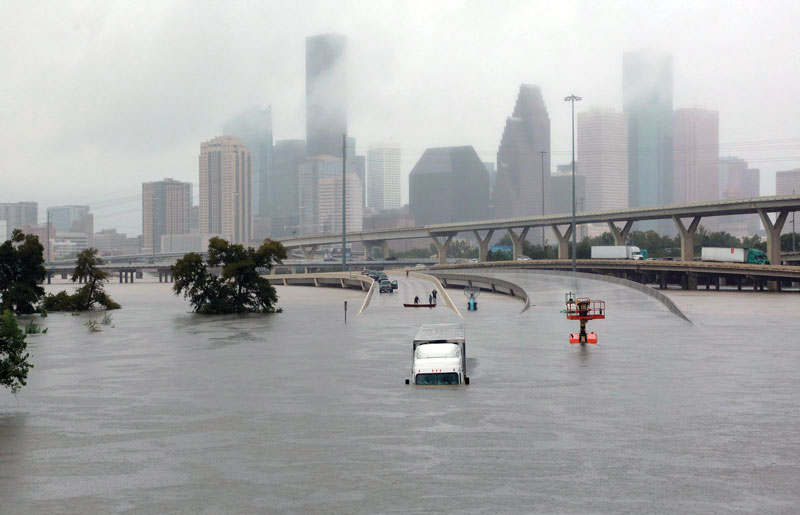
[(616, 252), (439, 355), (733, 255)]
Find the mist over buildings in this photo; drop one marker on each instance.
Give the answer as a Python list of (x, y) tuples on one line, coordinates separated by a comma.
[(101, 98)]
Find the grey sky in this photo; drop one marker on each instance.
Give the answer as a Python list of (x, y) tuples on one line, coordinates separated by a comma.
[(97, 97)]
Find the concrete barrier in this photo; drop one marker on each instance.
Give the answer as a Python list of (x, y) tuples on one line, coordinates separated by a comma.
[(493, 284), (441, 289)]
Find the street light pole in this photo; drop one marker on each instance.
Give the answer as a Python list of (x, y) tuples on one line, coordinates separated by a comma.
[(793, 226), (344, 202), (573, 98), (544, 249)]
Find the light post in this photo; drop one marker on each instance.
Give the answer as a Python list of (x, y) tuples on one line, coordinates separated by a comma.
[(793, 226), (573, 98), (344, 202), (544, 249)]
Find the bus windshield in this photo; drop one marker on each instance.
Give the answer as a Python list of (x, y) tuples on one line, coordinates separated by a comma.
[(445, 378)]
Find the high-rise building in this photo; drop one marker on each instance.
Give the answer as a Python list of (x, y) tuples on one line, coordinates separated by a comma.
[(225, 189), (695, 155), (737, 180), (286, 158), (75, 219), (166, 210), (326, 94), (17, 214), (254, 127), (787, 182), (603, 157), (647, 100), (448, 184), (521, 166), (383, 177), (320, 196)]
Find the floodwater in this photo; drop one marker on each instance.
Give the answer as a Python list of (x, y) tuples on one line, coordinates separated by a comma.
[(165, 411)]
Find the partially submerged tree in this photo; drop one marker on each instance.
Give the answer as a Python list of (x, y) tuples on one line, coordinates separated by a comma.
[(21, 272), (239, 287), (84, 299), (14, 364)]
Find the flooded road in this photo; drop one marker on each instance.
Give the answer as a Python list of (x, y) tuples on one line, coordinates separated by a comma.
[(298, 412)]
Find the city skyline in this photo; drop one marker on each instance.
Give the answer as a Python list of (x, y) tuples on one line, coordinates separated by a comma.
[(401, 84)]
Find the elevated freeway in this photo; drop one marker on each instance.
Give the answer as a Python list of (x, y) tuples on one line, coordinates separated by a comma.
[(619, 223)]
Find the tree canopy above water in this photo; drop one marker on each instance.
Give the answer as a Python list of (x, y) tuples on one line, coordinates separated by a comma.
[(238, 286)]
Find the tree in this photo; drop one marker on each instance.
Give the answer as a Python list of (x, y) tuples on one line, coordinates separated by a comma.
[(238, 287), (84, 299), (21, 272), (14, 364)]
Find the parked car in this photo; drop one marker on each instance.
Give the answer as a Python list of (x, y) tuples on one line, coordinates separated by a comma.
[(391, 258), (419, 265), (385, 287), (394, 285), (524, 258)]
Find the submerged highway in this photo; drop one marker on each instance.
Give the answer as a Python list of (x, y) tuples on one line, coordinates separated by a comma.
[(168, 411)]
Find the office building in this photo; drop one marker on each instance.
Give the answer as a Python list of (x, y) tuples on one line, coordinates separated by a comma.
[(320, 194), (225, 189), (326, 94), (647, 100), (787, 182), (695, 155), (736, 180), (561, 188), (383, 177), (254, 127), (17, 214), (523, 181), (286, 158), (602, 142), (449, 184), (76, 219), (166, 209)]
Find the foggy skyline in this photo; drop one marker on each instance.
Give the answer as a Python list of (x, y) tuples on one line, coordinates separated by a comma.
[(99, 97)]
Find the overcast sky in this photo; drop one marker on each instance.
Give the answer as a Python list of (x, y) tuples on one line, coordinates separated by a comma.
[(98, 97)]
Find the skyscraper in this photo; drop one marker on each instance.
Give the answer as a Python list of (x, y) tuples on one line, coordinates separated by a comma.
[(320, 196), (787, 182), (603, 157), (254, 126), (521, 175), (286, 158), (17, 214), (326, 94), (225, 189), (695, 155), (383, 177), (737, 180), (448, 184), (647, 100), (166, 210)]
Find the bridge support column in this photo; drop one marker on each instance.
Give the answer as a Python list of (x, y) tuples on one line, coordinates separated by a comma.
[(483, 244), (442, 247), (133, 274), (517, 241), (773, 234), (662, 277), (620, 235), (308, 251), (563, 241), (687, 237), (49, 277)]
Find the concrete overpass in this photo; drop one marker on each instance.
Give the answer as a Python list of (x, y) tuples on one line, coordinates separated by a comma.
[(685, 216)]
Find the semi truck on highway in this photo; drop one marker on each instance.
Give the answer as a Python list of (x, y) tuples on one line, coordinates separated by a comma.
[(734, 255), (439, 355), (617, 252)]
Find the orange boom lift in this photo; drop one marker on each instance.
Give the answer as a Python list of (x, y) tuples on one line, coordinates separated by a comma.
[(584, 309)]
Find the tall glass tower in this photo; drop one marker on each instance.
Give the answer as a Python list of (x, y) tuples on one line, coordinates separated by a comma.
[(647, 100), (326, 95)]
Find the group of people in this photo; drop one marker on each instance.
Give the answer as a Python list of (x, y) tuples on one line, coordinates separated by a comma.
[(431, 297)]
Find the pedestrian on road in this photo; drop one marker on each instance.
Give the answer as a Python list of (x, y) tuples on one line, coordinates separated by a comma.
[(434, 294), (416, 300), (430, 298), (406, 272)]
